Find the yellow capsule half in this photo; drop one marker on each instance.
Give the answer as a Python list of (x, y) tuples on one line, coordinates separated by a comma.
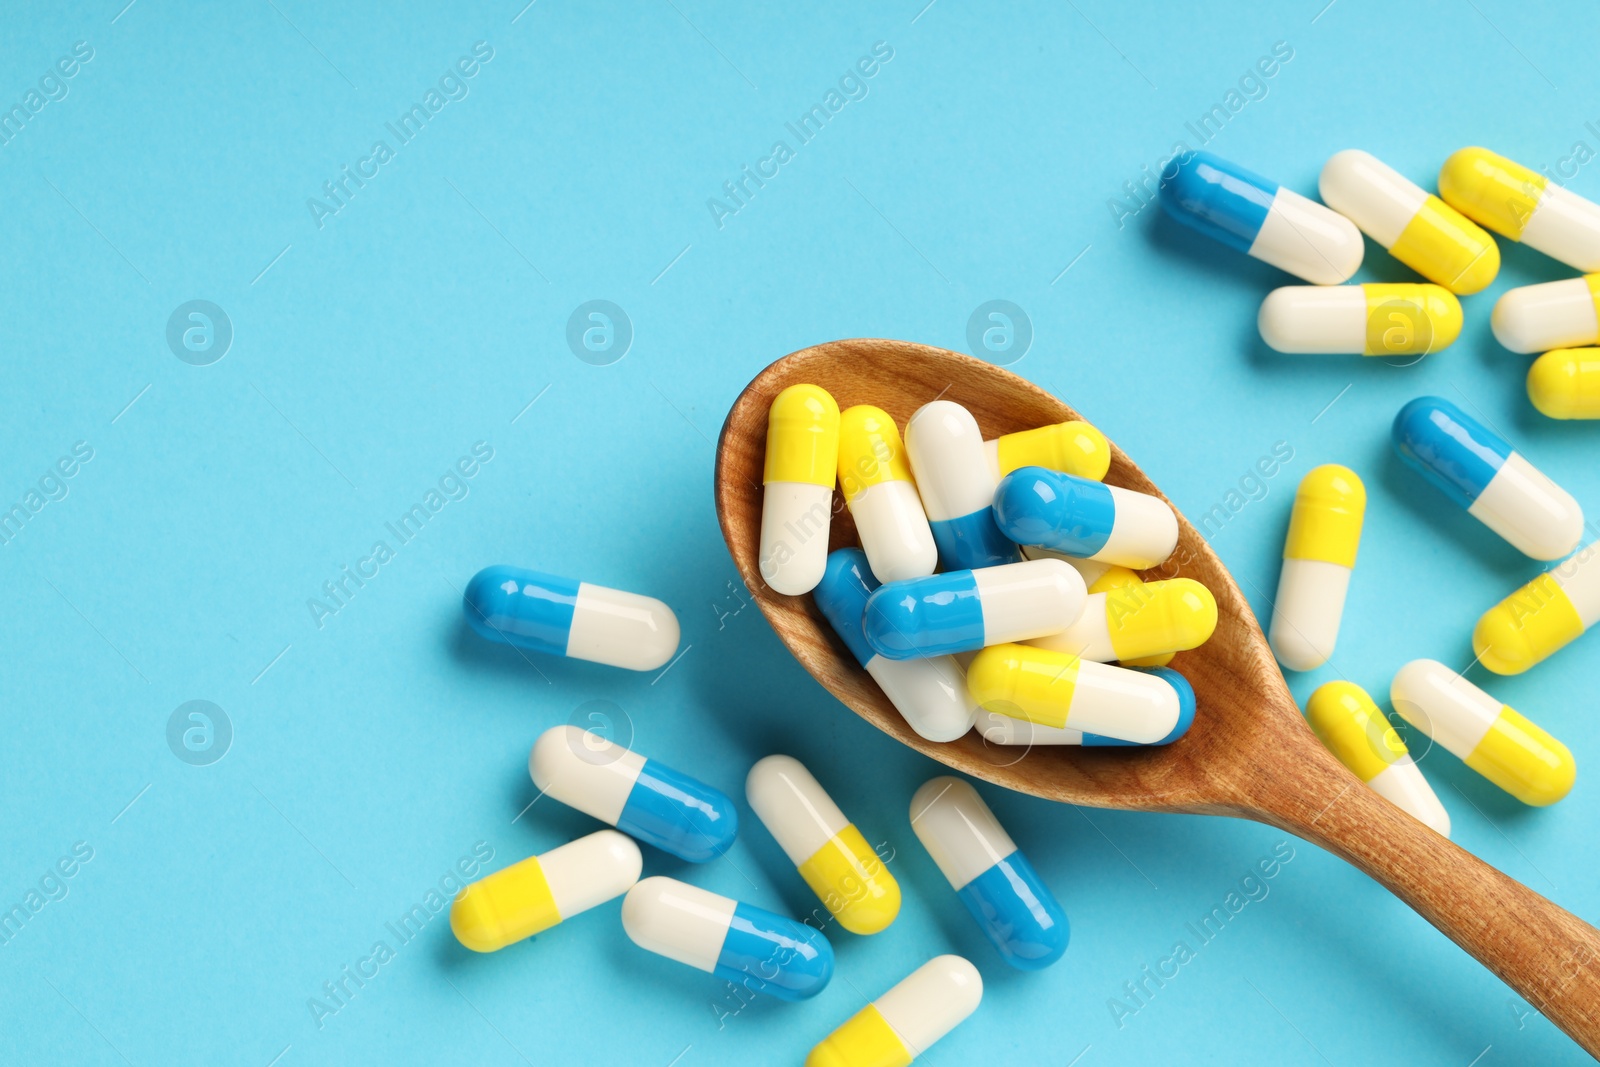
[(1565, 383), (1410, 320), (1523, 205), (870, 451), (906, 1021), (1329, 507), (1542, 617), (535, 894), (1114, 578), (1159, 617), (803, 437), (1074, 448)]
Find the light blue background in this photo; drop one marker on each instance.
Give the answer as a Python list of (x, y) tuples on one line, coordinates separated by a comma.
[(372, 752)]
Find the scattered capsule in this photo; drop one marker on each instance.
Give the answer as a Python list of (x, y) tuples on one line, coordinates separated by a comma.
[(1550, 315), (797, 496), (1542, 617), (1035, 506), (533, 895), (1366, 320), (1102, 578), (1347, 721), (833, 857), (1480, 471), (1421, 231), (1071, 447), (1130, 622), (930, 693), (1059, 689), (875, 478), (966, 610), (1490, 737), (957, 486), (1523, 205), (561, 617), (1262, 219), (906, 1021), (737, 942), (1000, 729), (992, 877), (1565, 383), (1318, 556), (641, 797)]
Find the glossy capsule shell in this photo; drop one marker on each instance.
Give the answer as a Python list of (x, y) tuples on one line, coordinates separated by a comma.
[(1318, 556), (735, 941), (560, 617), (1071, 447), (535, 894), (1421, 231), (1490, 737), (1000, 729), (641, 797), (965, 610), (956, 482), (875, 477), (1565, 383), (1551, 315), (1523, 205), (1480, 471), (1366, 320), (833, 857), (1349, 724), (1036, 506), (1132, 622), (1262, 219), (802, 462), (1059, 689), (931, 693), (1101, 578), (905, 1022), (1542, 617), (995, 881)]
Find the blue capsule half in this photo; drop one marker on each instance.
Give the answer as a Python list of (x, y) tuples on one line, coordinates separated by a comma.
[(842, 596), (920, 617), (679, 814), (1017, 911), (1218, 198), (972, 541), (1448, 447), (561, 617), (1038, 506), (770, 954)]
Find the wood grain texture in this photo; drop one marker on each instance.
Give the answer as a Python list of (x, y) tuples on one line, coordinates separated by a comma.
[(1249, 753)]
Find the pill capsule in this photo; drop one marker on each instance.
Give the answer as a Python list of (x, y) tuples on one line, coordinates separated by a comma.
[(965, 610), (1480, 471), (1318, 555), (533, 895), (1366, 320), (641, 797), (1523, 205), (561, 617), (1565, 383), (1347, 721), (833, 858), (930, 693), (1542, 617), (797, 495), (875, 477), (1035, 506), (1539, 318), (992, 877), (1262, 219), (1490, 737), (957, 486), (906, 1021), (735, 941), (1059, 689), (1131, 622), (1072, 447), (1101, 577), (1421, 231), (999, 729)]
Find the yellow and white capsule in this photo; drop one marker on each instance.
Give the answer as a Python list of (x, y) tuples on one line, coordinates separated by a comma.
[(1542, 617), (833, 857), (905, 1022), (1073, 447), (1565, 383), (1421, 231), (529, 897), (1523, 205), (1324, 533), (875, 477), (1490, 737), (797, 501), (1102, 577), (1550, 315), (1060, 689), (1130, 622), (1347, 721), (1366, 320)]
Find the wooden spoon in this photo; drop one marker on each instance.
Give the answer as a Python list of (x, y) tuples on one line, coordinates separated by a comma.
[(1249, 754)]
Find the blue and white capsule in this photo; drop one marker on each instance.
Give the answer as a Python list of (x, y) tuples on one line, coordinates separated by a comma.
[(641, 797), (964, 611), (1090, 520), (930, 693), (998, 729), (1480, 471), (956, 480), (1262, 219), (737, 942), (994, 880), (560, 617)]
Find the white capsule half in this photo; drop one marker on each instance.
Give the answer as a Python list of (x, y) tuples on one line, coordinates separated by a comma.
[(1522, 504), (956, 483), (907, 1020), (1307, 612), (894, 531), (793, 806), (794, 535), (1538, 318), (931, 694), (585, 771), (1401, 783)]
